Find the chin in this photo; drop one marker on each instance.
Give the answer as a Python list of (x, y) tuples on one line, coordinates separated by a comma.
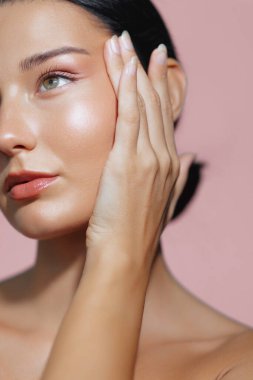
[(47, 221), (45, 233)]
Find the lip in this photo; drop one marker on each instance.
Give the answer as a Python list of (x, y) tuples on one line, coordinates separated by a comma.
[(30, 189), (17, 178)]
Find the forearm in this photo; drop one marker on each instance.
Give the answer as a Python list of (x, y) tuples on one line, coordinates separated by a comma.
[(98, 338)]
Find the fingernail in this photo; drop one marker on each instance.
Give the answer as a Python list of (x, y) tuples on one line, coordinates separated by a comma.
[(115, 47), (127, 42), (132, 66), (162, 54)]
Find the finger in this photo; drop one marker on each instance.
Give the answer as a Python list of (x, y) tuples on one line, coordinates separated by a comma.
[(157, 73), (128, 122), (143, 143), (114, 61), (150, 96), (186, 160), (115, 66)]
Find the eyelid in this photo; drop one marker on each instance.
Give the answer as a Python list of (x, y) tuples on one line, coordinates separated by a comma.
[(54, 71)]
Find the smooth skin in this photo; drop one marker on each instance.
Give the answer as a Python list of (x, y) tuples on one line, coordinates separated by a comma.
[(99, 305)]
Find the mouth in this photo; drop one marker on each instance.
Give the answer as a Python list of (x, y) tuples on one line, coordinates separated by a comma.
[(27, 184)]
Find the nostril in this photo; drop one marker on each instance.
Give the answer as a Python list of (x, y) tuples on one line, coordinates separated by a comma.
[(18, 147)]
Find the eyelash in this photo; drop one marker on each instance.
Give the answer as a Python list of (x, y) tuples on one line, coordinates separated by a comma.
[(52, 72)]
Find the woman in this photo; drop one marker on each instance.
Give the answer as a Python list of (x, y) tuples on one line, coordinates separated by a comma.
[(91, 134)]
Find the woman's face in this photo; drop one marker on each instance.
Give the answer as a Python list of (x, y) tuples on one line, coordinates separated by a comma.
[(63, 126)]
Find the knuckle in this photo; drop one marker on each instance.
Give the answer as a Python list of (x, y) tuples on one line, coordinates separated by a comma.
[(155, 98), (166, 162), (141, 103), (130, 117), (150, 162)]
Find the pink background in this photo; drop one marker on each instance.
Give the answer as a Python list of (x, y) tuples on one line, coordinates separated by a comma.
[(209, 246)]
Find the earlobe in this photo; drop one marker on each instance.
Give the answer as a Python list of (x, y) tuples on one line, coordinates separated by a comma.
[(177, 83)]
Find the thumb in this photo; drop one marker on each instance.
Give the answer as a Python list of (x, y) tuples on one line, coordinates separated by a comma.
[(186, 160)]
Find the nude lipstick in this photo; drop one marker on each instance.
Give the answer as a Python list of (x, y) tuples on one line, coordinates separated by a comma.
[(25, 185)]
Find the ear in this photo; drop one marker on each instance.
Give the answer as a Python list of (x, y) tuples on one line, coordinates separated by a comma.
[(177, 83)]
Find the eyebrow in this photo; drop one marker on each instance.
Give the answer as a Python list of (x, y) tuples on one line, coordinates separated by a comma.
[(37, 59)]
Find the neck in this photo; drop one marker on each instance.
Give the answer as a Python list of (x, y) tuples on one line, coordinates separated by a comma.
[(56, 274)]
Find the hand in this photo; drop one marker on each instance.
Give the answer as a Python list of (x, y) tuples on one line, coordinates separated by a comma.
[(143, 176)]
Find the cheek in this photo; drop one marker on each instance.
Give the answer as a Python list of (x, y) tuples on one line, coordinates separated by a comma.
[(87, 130), (77, 132), (82, 125), (80, 136)]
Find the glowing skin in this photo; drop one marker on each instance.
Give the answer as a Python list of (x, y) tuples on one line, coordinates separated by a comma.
[(67, 130)]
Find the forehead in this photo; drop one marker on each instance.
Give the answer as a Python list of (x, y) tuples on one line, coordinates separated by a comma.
[(27, 27)]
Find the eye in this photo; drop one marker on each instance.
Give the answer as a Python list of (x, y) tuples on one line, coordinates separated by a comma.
[(53, 81)]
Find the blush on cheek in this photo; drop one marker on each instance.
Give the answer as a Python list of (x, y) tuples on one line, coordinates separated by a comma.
[(90, 123), (79, 118), (79, 127)]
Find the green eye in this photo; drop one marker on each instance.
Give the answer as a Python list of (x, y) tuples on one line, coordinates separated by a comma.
[(54, 81)]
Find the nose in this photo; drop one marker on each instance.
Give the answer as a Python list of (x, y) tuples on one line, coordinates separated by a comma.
[(16, 132)]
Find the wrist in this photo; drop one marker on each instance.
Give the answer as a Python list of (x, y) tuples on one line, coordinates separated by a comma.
[(117, 264)]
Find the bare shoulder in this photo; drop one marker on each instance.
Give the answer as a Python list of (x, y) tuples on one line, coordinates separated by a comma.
[(241, 343), (237, 353), (214, 358), (227, 353), (229, 358), (24, 348)]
